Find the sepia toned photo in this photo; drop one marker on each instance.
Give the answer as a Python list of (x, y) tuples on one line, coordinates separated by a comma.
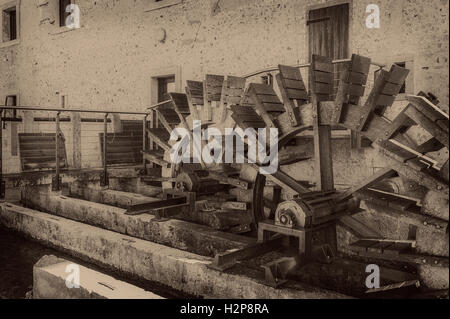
[(241, 151)]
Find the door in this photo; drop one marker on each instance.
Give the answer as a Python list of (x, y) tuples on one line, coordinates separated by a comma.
[(165, 85), (329, 35)]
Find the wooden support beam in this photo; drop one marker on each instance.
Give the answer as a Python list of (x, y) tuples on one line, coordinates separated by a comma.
[(419, 116), (357, 228), (322, 133), (370, 181)]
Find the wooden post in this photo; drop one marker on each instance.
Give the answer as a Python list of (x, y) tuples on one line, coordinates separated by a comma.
[(56, 183), (322, 91), (321, 74), (76, 131), (2, 182), (117, 123), (104, 179)]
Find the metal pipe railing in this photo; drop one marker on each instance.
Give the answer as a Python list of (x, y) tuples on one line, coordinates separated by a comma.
[(304, 65), (38, 108), (56, 181)]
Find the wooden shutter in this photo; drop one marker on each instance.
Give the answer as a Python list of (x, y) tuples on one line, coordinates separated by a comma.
[(329, 34)]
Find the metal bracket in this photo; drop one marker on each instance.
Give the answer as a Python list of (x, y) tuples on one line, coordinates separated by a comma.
[(323, 254), (224, 261), (104, 179), (276, 271), (2, 189), (56, 183)]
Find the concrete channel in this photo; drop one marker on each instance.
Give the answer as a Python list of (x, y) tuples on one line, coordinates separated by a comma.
[(178, 269)]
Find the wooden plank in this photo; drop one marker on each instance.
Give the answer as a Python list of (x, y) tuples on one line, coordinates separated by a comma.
[(236, 82), (294, 84), (360, 64), (356, 90), (290, 73), (156, 158), (397, 74), (357, 78), (371, 101), (426, 178), (320, 88), (255, 91), (272, 107), (417, 154), (213, 80), (391, 88), (434, 113), (323, 159), (386, 199), (323, 67), (265, 98), (358, 228), (397, 248), (291, 106), (371, 180), (180, 103), (323, 77), (432, 145), (40, 152), (160, 137), (380, 247), (400, 124), (286, 182), (362, 245), (341, 98), (431, 127), (297, 94), (385, 100)]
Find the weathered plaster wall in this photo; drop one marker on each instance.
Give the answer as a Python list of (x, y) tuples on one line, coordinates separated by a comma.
[(108, 62)]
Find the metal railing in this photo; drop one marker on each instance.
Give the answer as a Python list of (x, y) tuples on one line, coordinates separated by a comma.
[(304, 65), (56, 181)]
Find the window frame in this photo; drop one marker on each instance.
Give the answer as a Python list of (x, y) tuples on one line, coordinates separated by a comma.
[(59, 14), (4, 7)]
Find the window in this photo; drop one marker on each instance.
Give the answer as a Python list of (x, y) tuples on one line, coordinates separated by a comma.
[(158, 4), (9, 24), (62, 12), (403, 65)]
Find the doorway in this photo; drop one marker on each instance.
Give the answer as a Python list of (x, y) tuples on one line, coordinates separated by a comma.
[(329, 35)]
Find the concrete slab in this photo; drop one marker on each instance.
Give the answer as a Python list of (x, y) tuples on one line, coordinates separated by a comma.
[(56, 278), (174, 233), (220, 220), (178, 269)]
